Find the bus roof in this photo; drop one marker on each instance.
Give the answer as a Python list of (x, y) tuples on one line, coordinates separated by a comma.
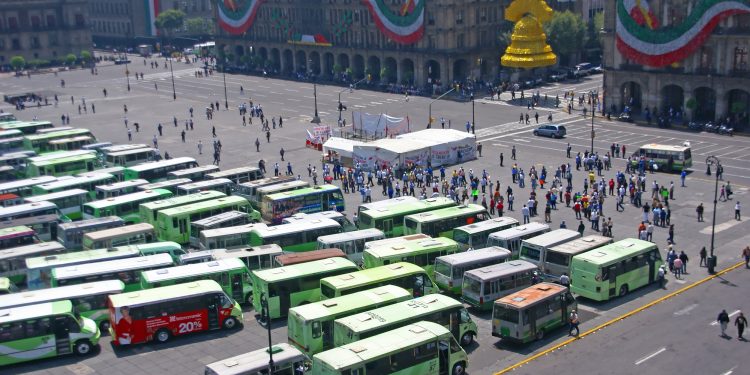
[(182, 200), (475, 255), (74, 181), (396, 240), (387, 203), (158, 164), (58, 134), (15, 231), (531, 295), (442, 213), (111, 266), (199, 169), (56, 195), (520, 230), (165, 184), (282, 229), (498, 270), (117, 231), (232, 172), (121, 185), (256, 362), (90, 222), (31, 220), (25, 251), (237, 229), (146, 296), (422, 204), (397, 312), (295, 270), (12, 210), (308, 256), (582, 244), (197, 206), (67, 159), (357, 278), (302, 191), (242, 252), (10, 133), (205, 183), (411, 247), (126, 198), (288, 185), (39, 310), (615, 251), (656, 146), (122, 147), (381, 345), (485, 225), (337, 305), (216, 219), (61, 293), (351, 236), (192, 270), (111, 170), (267, 181), (71, 139), (130, 152), (26, 182), (85, 256), (553, 238)]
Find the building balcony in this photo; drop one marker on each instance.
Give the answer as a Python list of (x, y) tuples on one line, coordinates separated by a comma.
[(739, 73)]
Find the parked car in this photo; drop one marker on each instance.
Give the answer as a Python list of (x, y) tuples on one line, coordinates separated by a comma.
[(552, 130), (558, 75), (583, 69), (597, 69), (625, 116)]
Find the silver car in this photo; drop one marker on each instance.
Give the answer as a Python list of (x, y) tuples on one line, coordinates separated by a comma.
[(554, 131)]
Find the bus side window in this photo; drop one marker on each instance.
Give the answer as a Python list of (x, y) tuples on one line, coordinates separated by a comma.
[(316, 331)]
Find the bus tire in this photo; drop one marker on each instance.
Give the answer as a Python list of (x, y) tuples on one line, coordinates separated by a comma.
[(83, 347), (539, 335), (249, 299), (624, 290), (162, 336), (104, 326), (459, 369), (467, 339), (230, 323)]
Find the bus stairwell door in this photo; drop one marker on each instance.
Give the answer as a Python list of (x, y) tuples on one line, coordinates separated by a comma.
[(237, 287), (443, 356), (62, 335), (213, 311), (455, 325), (387, 227), (651, 266)]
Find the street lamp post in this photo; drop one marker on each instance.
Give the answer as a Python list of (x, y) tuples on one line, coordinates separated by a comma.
[(713, 160), (316, 118), (224, 75), (266, 314), (429, 120), (174, 92), (353, 86), (472, 114), (127, 72), (593, 105)]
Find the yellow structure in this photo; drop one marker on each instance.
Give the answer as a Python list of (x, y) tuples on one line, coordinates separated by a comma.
[(528, 48)]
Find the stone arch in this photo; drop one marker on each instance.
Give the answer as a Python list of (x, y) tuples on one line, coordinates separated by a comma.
[(738, 105), (287, 62), (239, 51), (263, 52), (705, 104), (275, 59), (672, 96), (300, 60), (631, 95), (432, 71), (314, 63), (373, 67), (407, 71), (358, 67), (460, 70), (391, 68), (328, 63)]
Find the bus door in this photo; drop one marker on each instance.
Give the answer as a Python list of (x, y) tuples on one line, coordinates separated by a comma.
[(388, 227), (237, 292), (651, 259), (213, 311), (455, 324), (325, 202), (327, 334), (612, 272), (418, 286), (443, 356), (529, 317), (61, 327), (183, 225)]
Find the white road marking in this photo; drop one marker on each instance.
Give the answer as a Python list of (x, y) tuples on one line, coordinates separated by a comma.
[(646, 358), (521, 140), (686, 310), (731, 370), (721, 227), (715, 323)]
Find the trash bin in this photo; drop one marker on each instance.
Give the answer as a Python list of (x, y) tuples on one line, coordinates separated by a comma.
[(711, 263)]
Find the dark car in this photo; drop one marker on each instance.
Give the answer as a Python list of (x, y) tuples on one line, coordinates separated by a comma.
[(552, 130), (558, 75)]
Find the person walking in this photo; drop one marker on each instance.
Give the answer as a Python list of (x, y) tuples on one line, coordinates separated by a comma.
[(574, 322), (257, 145), (200, 147), (525, 213), (740, 322), (662, 276), (737, 211), (704, 257), (723, 320), (684, 259), (581, 227), (677, 268), (699, 211), (130, 135), (159, 128), (565, 280), (746, 255), (281, 152), (513, 152)]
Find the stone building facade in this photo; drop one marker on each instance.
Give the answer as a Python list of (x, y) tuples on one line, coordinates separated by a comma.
[(43, 29), (406, 41), (702, 73)]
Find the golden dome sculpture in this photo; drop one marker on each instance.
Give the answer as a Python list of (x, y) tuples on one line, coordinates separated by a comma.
[(528, 48)]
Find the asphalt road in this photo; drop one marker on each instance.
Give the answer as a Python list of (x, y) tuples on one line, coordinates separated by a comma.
[(497, 129)]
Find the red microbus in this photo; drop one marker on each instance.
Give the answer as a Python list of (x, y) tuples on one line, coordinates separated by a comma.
[(160, 313)]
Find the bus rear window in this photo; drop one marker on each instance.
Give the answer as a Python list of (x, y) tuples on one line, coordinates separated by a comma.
[(505, 315), (472, 285), (461, 237), (530, 253), (410, 223), (557, 258), (327, 291), (442, 268)]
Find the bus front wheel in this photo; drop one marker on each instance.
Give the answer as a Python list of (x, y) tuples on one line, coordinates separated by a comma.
[(467, 339), (539, 335), (623, 290), (458, 369), (230, 323), (162, 336), (83, 347), (104, 326)]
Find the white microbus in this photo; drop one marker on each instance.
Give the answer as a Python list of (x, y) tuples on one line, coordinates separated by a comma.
[(450, 269), (223, 185), (352, 243), (556, 260), (474, 236), (511, 238), (69, 202), (237, 175), (286, 359), (118, 188), (533, 249)]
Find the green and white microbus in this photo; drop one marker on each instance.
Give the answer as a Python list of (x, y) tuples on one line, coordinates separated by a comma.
[(71, 234), (127, 270), (423, 348), (474, 236), (450, 269), (69, 202), (556, 260), (441, 222), (482, 286), (24, 188), (13, 260), (249, 190), (27, 127), (390, 217), (421, 253), (7, 286), (117, 172), (197, 173), (72, 143), (173, 224), (170, 185), (45, 330), (661, 154), (290, 286), (226, 238), (276, 207), (116, 189), (352, 243), (222, 220), (405, 275), (89, 299), (132, 234), (231, 274), (88, 183), (286, 359), (511, 238), (615, 269), (125, 206), (156, 171), (385, 203), (223, 185), (129, 158), (528, 314), (41, 142), (310, 327), (435, 308), (149, 210), (533, 249), (294, 237), (237, 175), (255, 258), (67, 166)]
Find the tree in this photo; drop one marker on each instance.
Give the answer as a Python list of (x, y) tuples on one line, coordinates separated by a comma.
[(170, 20), (197, 26), (17, 62), (70, 59), (86, 56), (566, 33)]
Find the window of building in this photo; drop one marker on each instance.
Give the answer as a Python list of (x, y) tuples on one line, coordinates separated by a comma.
[(459, 17), (12, 23), (51, 21), (15, 44), (36, 22), (740, 59), (483, 15), (460, 41), (35, 42), (53, 41), (79, 20), (705, 62), (430, 18), (2, 44)]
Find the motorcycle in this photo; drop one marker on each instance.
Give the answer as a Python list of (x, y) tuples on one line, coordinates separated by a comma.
[(711, 127), (726, 129), (696, 126)]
